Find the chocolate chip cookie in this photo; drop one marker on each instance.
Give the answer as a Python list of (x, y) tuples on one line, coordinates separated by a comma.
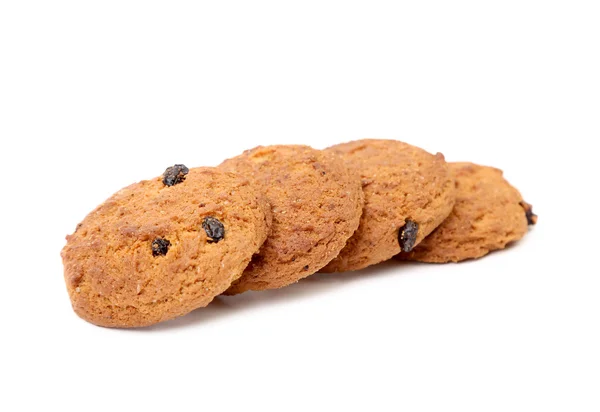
[(408, 193), (489, 214), (161, 248), (316, 203)]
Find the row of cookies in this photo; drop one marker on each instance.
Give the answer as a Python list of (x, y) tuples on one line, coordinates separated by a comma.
[(161, 248)]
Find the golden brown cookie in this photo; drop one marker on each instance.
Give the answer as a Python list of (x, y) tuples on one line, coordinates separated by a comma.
[(161, 248), (489, 214), (316, 203), (408, 193)]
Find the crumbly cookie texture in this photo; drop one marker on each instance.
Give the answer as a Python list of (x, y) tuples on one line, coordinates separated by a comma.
[(408, 193), (489, 214), (161, 248), (316, 203)]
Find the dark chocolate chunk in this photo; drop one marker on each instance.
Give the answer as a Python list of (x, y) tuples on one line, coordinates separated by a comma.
[(160, 246), (305, 267), (175, 174), (407, 235), (214, 229), (531, 217)]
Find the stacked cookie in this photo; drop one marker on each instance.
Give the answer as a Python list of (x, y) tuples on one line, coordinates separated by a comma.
[(161, 248)]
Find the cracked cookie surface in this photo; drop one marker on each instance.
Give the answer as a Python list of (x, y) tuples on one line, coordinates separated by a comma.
[(408, 193), (489, 214), (161, 248), (316, 203)]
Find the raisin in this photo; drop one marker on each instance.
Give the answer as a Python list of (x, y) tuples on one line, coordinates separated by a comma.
[(531, 217), (214, 229), (407, 235), (160, 246), (175, 174)]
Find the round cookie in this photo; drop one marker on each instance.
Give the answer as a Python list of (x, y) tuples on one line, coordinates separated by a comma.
[(316, 203), (489, 214), (408, 193), (161, 248)]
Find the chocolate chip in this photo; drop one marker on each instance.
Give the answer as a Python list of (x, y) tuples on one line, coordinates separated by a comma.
[(214, 229), (160, 246), (407, 235), (531, 217), (175, 174), (305, 267)]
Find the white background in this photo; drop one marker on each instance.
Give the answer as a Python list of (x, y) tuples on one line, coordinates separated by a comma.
[(96, 95)]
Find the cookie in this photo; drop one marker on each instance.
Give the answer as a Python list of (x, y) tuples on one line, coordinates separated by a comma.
[(489, 214), (316, 203), (161, 248), (408, 193)]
